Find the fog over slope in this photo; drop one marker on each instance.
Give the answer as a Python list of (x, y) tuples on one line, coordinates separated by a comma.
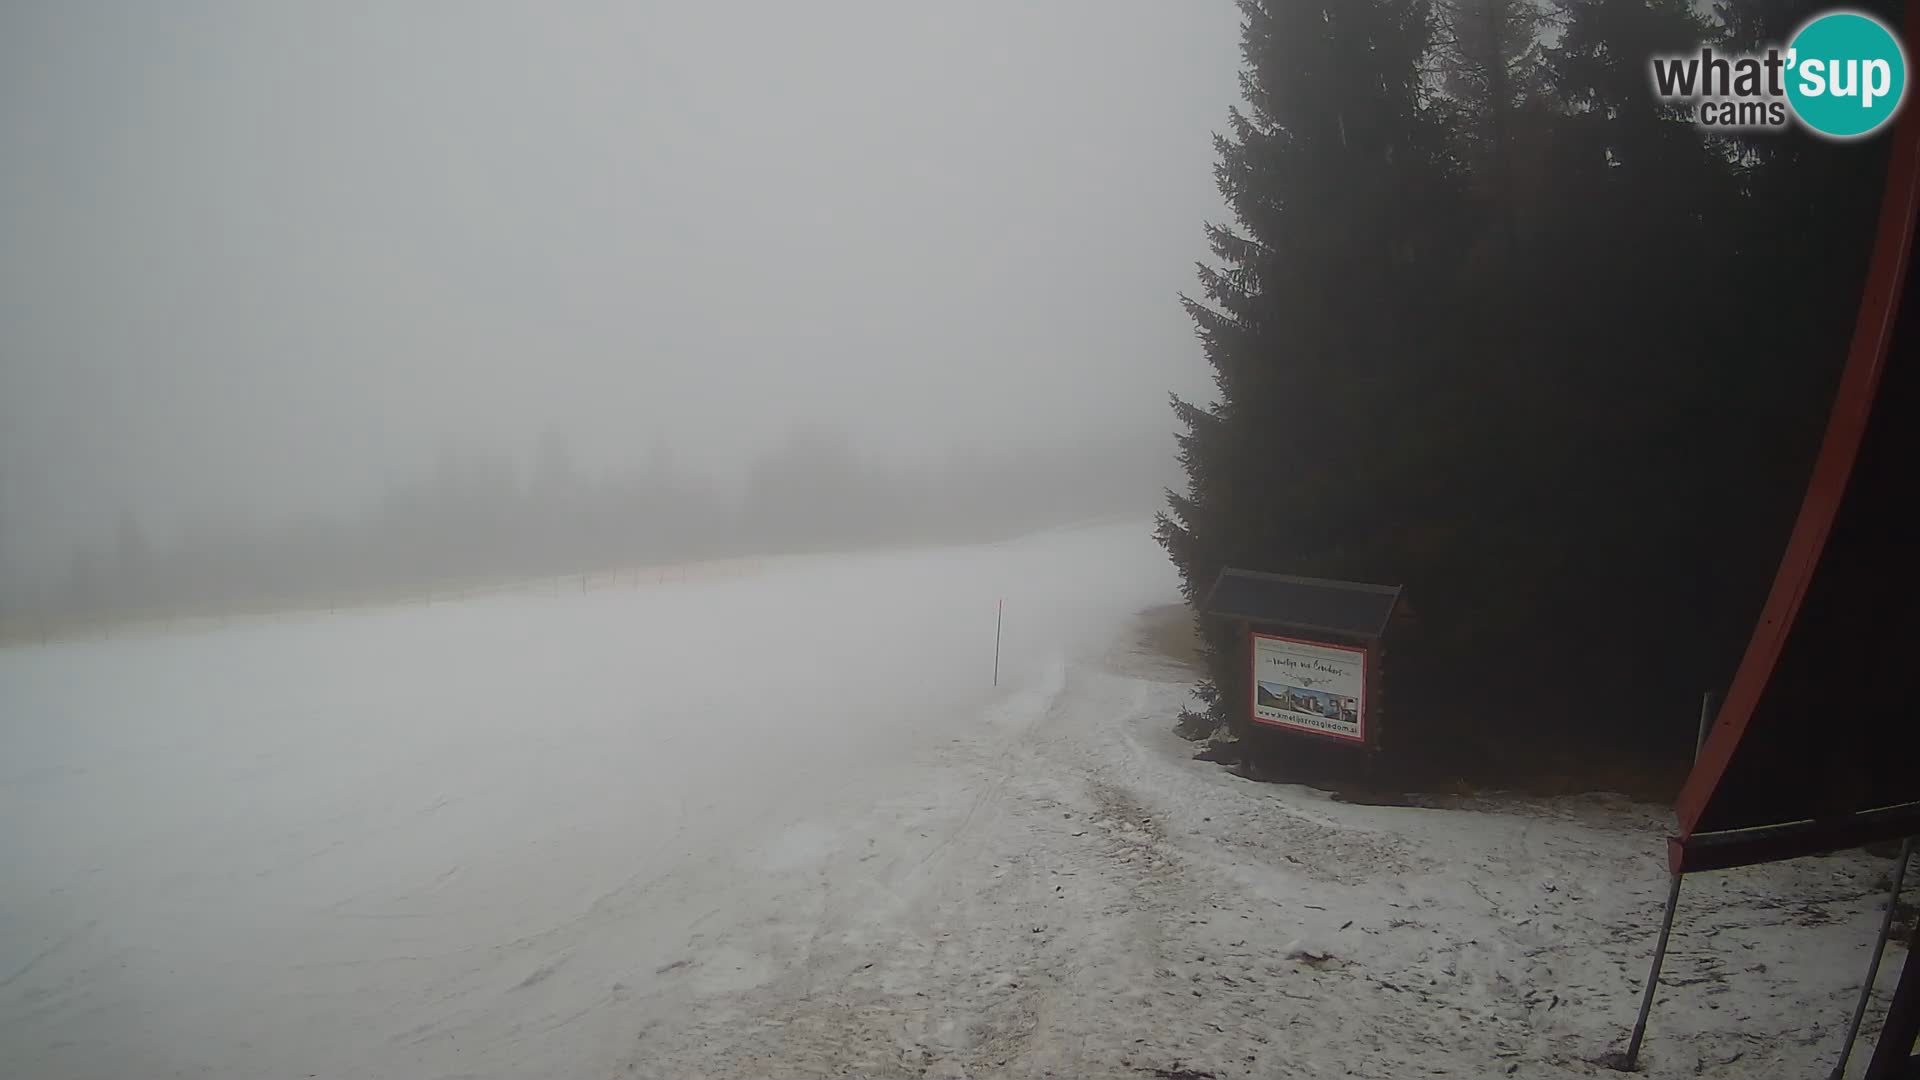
[(269, 269)]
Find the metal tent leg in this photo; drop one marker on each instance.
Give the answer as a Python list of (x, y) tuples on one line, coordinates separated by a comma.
[(1898, 1032), (1630, 1060), (1873, 964)]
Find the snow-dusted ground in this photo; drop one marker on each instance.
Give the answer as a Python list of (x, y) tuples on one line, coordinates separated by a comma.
[(782, 825)]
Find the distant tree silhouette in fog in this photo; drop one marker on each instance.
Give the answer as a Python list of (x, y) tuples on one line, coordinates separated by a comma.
[(478, 517)]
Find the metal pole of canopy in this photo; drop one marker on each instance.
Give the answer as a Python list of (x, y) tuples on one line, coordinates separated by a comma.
[(1897, 1032), (1706, 723), (1873, 964), (1629, 1061)]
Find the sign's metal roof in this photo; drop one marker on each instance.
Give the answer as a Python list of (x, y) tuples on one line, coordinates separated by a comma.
[(1349, 608)]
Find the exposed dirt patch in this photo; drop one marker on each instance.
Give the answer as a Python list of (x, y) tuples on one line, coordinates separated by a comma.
[(1220, 753), (1125, 814), (1167, 631), (1905, 914)]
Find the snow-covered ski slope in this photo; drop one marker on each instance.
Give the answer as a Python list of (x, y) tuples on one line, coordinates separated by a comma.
[(783, 825)]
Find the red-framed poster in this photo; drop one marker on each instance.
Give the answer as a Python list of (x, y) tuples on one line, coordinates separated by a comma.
[(1310, 686)]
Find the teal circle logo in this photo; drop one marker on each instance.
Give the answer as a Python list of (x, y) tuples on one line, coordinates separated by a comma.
[(1846, 74)]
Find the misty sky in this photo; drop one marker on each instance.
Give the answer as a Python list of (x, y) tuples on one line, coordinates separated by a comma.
[(258, 257)]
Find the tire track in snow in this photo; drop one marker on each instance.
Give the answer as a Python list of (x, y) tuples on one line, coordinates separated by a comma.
[(961, 929), (1042, 700)]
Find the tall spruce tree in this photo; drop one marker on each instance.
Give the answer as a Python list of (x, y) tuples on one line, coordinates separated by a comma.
[(1488, 59), (1673, 392), (1811, 205), (1337, 174)]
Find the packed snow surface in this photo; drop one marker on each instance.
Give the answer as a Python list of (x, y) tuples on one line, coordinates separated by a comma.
[(782, 823)]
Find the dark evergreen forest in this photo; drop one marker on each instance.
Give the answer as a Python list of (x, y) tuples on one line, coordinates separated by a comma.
[(1494, 323)]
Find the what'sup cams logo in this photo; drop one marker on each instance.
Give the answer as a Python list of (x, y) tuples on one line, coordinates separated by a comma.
[(1842, 76)]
